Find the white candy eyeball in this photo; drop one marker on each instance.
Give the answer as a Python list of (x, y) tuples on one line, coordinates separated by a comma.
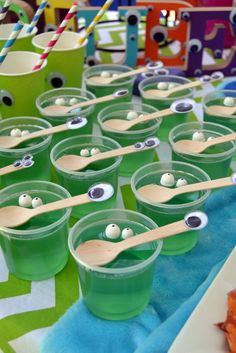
[(60, 101), (15, 133), (210, 138), (73, 101), (131, 115), (105, 74), (181, 182), (127, 233), (25, 200), (198, 136), (162, 85), (115, 75), (196, 220), (25, 132), (36, 202), (172, 85), (229, 102), (167, 179), (94, 151), (84, 152), (112, 231)]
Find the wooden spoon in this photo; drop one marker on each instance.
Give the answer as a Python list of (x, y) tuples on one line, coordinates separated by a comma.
[(158, 193), (17, 165), (74, 162), (57, 110), (180, 107), (12, 141), (190, 146), (220, 110), (101, 252), (14, 216), (99, 80)]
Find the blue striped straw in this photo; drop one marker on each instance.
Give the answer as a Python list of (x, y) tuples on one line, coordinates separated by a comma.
[(11, 40), (37, 15), (4, 10)]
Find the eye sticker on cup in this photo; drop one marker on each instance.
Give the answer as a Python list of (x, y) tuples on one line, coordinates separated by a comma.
[(76, 123), (152, 142), (56, 79), (152, 66), (6, 98), (101, 192), (205, 79), (196, 220), (183, 106), (161, 72), (121, 93), (217, 75), (139, 145)]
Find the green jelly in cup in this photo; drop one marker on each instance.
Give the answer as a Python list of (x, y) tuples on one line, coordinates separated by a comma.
[(215, 160), (79, 182), (163, 103), (37, 148), (175, 209), (20, 86), (23, 41), (138, 133), (38, 249), (68, 95), (106, 89), (121, 289), (66, 60)]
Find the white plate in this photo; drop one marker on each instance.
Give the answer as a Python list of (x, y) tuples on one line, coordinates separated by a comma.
[(199, 334)]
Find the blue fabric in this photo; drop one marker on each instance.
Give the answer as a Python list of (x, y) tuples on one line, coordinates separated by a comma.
[(179, 283)]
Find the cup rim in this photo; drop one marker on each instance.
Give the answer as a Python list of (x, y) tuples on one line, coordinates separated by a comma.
[(212, 93), (35, 233), (20, 37), (113, 270), (31, 148), (203, 155), (156, 124), (44, 34), (85, 174), (170, 99), (164, 205)]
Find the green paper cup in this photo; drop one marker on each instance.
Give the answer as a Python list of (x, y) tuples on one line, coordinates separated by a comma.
[(38, 249), (65, 62), (23, 41), (121, 289), (175, 209), (19, 85)]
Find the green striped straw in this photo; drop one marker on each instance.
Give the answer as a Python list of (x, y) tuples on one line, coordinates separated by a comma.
[(11, 40)]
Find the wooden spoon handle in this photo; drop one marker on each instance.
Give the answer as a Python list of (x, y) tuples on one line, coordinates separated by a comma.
[(130, 73), (66, 203), (221, 139), (185, 86), (94, 101), (45, 132), (205, 185), (159, 114), (9, 169)]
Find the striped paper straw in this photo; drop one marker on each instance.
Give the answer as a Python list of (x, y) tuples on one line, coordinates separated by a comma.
[(56, 36), (95, 20), (4, 9), (37, 16), (11, 40)]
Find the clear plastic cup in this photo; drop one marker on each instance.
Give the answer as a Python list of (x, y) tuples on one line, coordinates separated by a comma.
[(121, 289), (215, 160), (163, 103), (78, 182), (38, 249), (175, 209), (23, 41), (49, 98), (37, 148), (138, 133)]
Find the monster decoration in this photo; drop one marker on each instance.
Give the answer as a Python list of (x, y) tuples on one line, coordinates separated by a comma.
[(21, 9)]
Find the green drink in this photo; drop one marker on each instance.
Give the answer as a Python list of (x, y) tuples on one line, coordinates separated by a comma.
[(138, 133), (175, 209), (38, 148), (215, 160), (101, 171), (100, 90), (67, 96), (121, 289), (23, 41), (163, 103), (38, 249)]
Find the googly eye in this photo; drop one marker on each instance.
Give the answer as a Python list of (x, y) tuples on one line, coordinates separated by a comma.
[(121, 93), (27, 157), (28, 164), (183, 106), (194, 46), (167, 180), (15, 132), (6, 98), (36, 202), (25, 200), (101, 192), (152, 66), (196, 220), (139, 145), (76, 123), (233, 178), (158, 34), (218, 75), (205, 79), (56, 79), (152, 142), (232, 16), (18, 164), (162, 72), (112, 231), (147, 74), (127, 233)]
